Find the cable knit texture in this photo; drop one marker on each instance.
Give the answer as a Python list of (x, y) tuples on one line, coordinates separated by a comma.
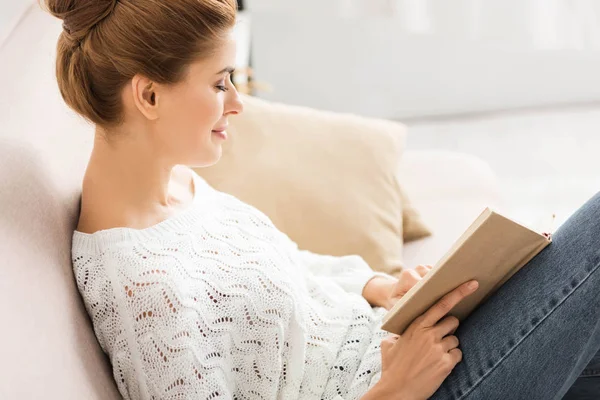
[(217, 303)]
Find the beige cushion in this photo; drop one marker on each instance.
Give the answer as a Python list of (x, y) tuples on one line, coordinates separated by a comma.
[(413, 227), (327, 180)]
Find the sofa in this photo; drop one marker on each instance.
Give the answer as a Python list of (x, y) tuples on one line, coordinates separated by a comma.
[(48, 349)]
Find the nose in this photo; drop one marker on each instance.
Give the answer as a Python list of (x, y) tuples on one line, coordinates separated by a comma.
[(234, 103)]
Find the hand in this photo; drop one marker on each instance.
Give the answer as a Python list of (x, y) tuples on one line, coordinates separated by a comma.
[(382, 292), (414, 364), (408, 279)]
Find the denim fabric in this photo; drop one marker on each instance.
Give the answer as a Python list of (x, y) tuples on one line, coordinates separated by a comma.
[(538, 336)]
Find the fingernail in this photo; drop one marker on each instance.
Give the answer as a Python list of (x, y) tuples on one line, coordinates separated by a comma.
[(473, 285)]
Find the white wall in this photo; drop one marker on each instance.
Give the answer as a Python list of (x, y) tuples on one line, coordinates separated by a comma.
[(412, 58), (10, 13)]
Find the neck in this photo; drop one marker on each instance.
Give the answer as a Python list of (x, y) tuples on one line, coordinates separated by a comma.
[(129, 173)]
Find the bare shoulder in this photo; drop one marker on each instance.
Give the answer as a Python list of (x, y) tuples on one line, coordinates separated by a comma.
[(97, 214)]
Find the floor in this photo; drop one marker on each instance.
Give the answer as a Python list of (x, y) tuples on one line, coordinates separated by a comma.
[(546, 160)]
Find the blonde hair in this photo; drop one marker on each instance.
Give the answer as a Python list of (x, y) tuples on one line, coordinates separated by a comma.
[(105, 43)]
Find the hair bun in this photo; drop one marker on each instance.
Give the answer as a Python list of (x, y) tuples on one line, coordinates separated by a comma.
[(80, 16)]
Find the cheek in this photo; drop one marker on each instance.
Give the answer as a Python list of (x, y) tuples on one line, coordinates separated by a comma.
[(195, 111)]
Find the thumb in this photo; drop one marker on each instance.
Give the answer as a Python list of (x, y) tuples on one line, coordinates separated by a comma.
[(408, 278), (388, 342)]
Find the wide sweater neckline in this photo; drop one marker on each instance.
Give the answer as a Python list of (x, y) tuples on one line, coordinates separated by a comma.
[(93, 242)]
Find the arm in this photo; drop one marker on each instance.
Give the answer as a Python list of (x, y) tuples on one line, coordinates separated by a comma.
[(352, 274)]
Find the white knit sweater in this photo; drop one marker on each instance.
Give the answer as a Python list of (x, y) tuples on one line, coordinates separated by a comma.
[(216, 303)]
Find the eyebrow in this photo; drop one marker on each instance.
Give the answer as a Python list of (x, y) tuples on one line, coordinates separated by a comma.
[(229, 70)]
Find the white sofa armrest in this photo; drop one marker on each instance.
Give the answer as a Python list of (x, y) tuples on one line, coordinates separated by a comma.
[(450, 190)]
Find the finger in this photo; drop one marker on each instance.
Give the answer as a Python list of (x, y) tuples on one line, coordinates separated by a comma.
[(447, 303), (409, 278), (456, 355), (388, 342), (421, 270), (447, 326), (429, 266), (449, 343)]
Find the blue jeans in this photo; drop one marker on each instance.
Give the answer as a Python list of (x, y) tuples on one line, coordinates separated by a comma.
[(538, 336)]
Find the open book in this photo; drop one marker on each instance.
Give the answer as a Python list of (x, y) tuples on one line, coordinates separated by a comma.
[(490, 251)]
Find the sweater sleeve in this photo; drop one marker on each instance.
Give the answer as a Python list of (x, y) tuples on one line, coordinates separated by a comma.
[(350, 272)]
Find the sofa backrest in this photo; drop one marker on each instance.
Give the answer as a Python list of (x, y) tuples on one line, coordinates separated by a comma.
[(48, 349)]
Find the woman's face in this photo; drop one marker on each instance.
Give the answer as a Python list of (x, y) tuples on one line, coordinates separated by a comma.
[(193, 113)]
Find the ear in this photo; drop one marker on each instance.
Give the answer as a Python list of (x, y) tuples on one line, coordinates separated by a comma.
[(145, 96)]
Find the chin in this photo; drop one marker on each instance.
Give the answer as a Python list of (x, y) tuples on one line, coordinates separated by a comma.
[(208, 160)]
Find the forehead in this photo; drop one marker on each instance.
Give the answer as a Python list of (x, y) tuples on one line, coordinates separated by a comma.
[(223, 56)]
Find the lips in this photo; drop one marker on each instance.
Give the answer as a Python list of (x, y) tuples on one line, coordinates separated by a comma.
[(220, 132)]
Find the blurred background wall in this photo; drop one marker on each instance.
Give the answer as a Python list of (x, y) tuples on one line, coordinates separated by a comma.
[(420, 58)]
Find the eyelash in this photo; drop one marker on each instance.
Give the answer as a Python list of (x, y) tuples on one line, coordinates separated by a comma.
[(223, 88)]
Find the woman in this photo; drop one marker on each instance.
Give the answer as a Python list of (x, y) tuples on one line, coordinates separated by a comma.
[(195, 295)]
